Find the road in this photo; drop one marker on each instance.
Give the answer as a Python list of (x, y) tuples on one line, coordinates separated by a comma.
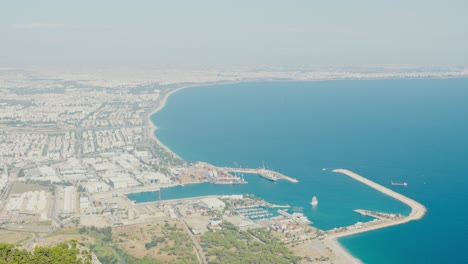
[(200, 253), (6, 191)]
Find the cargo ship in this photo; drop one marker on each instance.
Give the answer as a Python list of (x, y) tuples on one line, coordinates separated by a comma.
[(399, 184)]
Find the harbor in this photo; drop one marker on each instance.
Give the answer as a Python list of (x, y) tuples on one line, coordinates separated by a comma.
[(265, 173), (255, 213), (385, 220)]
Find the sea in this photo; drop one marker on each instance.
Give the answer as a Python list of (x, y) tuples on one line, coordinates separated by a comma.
[(402, 130)]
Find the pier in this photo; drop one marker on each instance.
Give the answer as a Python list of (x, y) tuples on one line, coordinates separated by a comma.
[(417, 210), (267, 174), (379, 215)]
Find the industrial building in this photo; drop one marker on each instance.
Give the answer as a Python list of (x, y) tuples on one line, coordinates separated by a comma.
[(212, 203), (155, 178), (69, 199), (94, 186), (123, 181)]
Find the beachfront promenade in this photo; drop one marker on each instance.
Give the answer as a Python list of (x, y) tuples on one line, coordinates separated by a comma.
[(417, 210)]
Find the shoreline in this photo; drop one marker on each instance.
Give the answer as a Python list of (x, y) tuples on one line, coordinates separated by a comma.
[(152, 128), (417, 209), (343, 256), (343, 252), (161, 103)]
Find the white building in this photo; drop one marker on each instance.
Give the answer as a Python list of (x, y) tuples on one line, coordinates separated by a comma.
[(155, 177), (96, 186), (69, 199), (122, 181), (144, 155), (84, 203), (212, 203), (44, 173), (215, 221)]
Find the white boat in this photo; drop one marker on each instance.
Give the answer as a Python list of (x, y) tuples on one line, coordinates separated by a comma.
[(314, 201)]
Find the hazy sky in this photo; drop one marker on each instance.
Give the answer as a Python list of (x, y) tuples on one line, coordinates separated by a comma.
[(236, 33)]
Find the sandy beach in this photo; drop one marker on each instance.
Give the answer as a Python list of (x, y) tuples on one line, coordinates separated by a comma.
[(342, 255), (152, 127)]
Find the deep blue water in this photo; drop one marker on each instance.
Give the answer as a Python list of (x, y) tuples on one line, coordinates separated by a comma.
[(402, 130)]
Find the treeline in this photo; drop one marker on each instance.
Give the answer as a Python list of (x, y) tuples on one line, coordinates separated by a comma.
[(63, 253), (181, 246), (108, 252), (105, 233), (232, 245)]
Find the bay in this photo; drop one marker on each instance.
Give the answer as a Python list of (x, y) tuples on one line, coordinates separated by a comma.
[(412, 130)]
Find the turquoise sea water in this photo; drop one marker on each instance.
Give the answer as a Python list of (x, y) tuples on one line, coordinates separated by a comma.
[(401, 130)]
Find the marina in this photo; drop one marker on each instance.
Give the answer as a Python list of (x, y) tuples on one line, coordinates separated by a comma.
[(255, 213)]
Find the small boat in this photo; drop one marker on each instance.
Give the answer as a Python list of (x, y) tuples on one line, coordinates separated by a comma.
[(314, 201)]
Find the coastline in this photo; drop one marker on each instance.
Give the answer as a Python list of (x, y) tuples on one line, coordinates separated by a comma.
[(152, 128), (161, 102), (417, 212), (344, 256)]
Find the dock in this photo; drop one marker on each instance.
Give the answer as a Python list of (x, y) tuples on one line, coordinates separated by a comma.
[(379, 215), (417, 210), (267, 174)]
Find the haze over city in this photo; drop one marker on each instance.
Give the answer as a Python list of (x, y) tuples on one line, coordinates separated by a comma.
[(227, 34), (219, 132)]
